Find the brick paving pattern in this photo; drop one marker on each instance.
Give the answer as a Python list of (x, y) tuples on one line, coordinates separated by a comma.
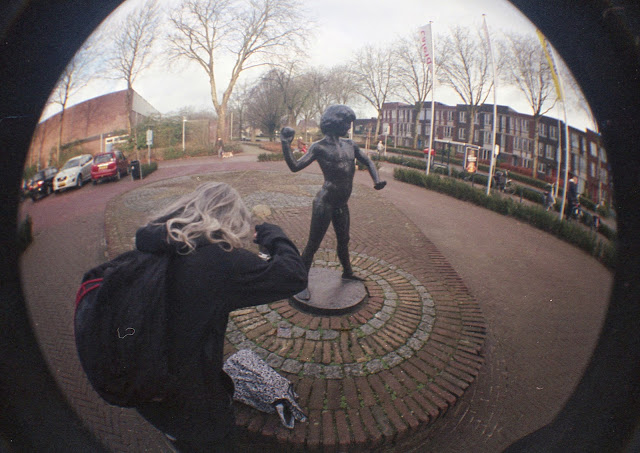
[(543, 301), (366, 379)]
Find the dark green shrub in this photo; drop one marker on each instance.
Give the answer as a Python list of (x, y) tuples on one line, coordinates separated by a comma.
[(534, 215), (271, 157), (172, 153), (147, 169)]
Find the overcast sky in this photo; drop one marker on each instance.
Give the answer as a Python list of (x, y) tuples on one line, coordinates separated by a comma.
[(342, 27)]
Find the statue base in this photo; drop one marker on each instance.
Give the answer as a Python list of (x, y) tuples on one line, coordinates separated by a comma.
[(330, 294)]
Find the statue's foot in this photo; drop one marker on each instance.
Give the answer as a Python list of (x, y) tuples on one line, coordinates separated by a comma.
[(303, 295), (351, 276)]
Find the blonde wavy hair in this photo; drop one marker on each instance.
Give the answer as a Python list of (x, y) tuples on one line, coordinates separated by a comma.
[(214, 211)]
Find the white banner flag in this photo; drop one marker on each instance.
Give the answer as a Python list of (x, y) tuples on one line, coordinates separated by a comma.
[(426, 45)]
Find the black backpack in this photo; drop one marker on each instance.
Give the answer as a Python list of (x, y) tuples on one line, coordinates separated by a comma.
[(121, 328)]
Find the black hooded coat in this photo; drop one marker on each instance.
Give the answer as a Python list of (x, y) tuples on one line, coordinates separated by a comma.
[(203, 288)]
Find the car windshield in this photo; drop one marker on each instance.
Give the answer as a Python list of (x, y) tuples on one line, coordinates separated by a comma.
[(75, 162), (38, 176), (102, 158)]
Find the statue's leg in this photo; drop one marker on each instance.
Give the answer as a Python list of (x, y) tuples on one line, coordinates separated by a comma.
[(320, 219), (341, 225)]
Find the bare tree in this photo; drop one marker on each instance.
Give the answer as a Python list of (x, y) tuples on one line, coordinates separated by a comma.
[(75, 76), (252, 33), (265, 110), (526, 67), (373, 71), (466, 68), (294, 93), (415, 81), (133, 44)]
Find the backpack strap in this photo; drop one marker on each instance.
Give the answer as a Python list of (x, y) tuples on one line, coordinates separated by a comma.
[(87, 287)]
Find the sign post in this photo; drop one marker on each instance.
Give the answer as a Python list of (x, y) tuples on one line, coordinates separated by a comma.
[(471, 161), (149, 143)]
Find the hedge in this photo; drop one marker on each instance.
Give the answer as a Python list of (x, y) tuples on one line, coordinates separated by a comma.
[(271, 157), (147, 169), (536, 216)]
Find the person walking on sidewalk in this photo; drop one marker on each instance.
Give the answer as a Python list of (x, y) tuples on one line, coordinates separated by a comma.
[(220, 147), (211, 273), (380, 149), (573, 202)]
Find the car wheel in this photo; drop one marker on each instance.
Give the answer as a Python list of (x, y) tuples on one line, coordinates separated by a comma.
[(118, 175), (94, 181), (79, 183)]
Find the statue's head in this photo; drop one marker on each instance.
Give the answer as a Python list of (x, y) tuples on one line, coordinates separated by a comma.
[(337, 119)]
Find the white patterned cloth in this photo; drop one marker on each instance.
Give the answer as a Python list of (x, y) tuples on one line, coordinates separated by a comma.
[(260, 386)]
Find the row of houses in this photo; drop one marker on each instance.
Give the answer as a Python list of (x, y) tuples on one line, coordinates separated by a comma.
[(515, 135)]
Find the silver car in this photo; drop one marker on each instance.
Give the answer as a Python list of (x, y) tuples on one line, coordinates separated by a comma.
[(74, 173)]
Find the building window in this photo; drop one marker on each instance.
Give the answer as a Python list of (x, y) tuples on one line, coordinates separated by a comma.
[(449, 115), (553, 132), (462, 117), (540, 149), (448, 131), (461, 134), (603, 155), (593, 149), (525, 126), (541, 167), (542, 129), (575, 141), (487, 137), (476, 136), (548, 152)]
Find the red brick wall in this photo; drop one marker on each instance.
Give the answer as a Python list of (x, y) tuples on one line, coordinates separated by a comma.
[(85, 121)]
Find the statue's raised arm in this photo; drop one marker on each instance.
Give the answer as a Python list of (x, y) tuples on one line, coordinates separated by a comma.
[(286, 137)]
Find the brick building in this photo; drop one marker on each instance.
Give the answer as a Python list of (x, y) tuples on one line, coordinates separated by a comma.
[(87, 126), (515, 134)]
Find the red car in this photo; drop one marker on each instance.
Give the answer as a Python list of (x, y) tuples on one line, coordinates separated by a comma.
[(109, 165)]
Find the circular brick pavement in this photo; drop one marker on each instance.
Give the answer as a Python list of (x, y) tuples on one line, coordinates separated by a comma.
[(365, 379)]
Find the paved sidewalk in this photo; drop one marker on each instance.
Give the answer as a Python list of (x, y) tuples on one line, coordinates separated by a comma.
[(541, 301)]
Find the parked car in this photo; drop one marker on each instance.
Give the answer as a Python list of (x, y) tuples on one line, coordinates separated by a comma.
[(74, 173), (41, 184), (109, 165)]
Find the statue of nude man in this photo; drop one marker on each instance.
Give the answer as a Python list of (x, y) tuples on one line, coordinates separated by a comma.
[(336, 157)]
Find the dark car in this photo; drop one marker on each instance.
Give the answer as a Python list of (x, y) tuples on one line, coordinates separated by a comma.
[(109, 165), (41, 184)]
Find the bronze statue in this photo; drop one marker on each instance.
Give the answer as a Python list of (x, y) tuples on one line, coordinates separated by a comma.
[(336, 157)]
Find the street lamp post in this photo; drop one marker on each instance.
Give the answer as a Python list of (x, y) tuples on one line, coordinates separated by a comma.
[(184, 123)]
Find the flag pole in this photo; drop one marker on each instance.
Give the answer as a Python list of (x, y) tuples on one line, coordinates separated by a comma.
[(560, 93), (495, 106), (428, 52), (433, 98)]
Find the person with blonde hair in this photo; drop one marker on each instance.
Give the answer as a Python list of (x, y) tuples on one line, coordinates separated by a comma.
[(211, 273)]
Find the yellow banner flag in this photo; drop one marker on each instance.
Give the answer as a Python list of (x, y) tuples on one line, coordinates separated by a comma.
[(552, 64)]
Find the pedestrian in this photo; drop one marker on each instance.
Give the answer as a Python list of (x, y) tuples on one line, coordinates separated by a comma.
[(380, 148), (211, 273), (336, 157), (573, 202), (549, 199), (220, 147)]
